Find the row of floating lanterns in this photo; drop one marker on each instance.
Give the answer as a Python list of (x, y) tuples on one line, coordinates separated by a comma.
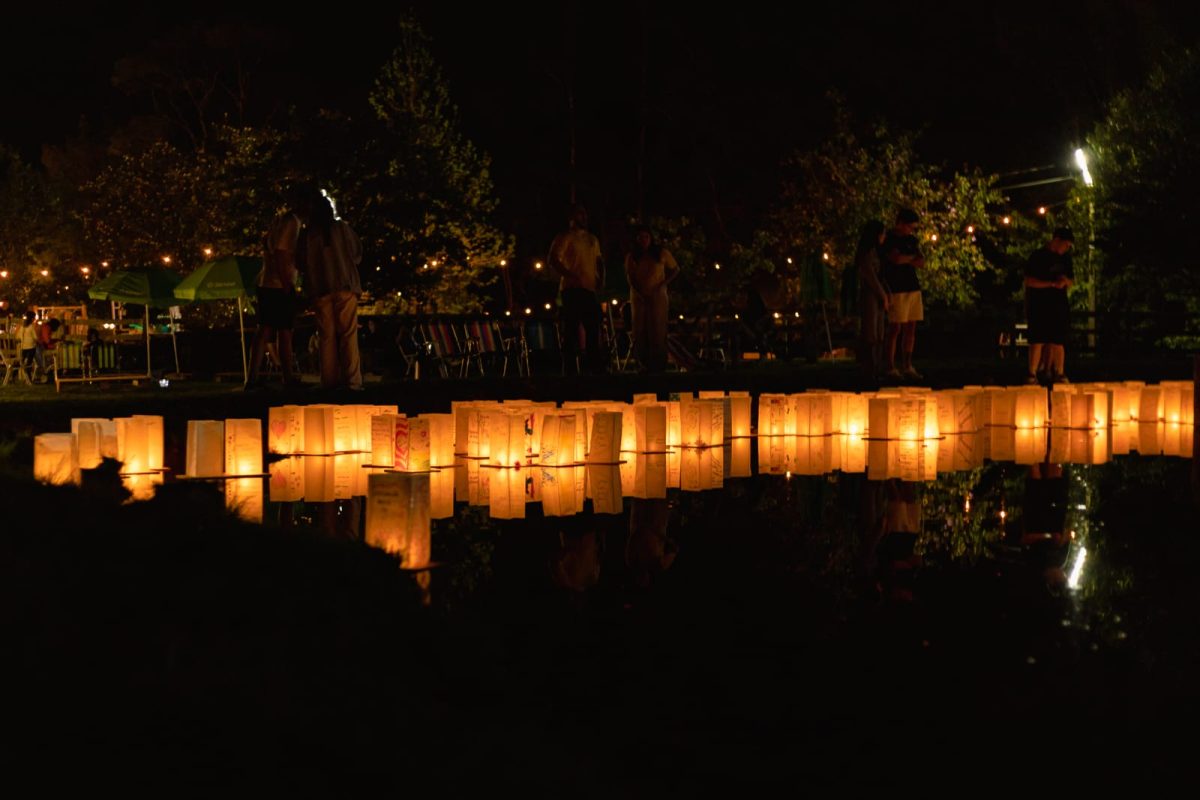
[(513, 452)]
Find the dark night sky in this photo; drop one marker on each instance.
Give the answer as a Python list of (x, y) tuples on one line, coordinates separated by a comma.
[(1001, 86)]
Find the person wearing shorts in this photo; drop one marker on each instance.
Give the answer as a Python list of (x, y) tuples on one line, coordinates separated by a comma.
[(901, 259)]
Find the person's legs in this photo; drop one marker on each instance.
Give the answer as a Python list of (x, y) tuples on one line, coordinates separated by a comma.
[(1058, 357), (594, 360), (893, 334), (909, 330), (570, 320), (345, 307), (1035, 359), (323, 307)]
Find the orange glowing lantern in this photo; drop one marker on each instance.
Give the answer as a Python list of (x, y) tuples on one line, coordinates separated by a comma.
[(604, 488), (97, 440), (702, 423), (650, 428), (896, 418), (243, 448), (319, 425), (506, 493), (506, 438), (244, 497), (605, 444), (287, 480), (738, 460), (558, 440), (701, 469), (441, 439)]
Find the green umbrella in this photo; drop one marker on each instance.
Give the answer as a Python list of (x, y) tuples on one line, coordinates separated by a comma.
[(229, 278), (147, 286)]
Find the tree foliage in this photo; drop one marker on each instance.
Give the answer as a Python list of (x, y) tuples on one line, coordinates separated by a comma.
[(36, 235), (829, 194), (427, 196)]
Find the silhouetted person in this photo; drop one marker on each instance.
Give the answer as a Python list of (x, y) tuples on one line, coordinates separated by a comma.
[(873, 300), (331, 252), (901, 260), (1048, 275), (575, 255), (649, 268), (277, 300)]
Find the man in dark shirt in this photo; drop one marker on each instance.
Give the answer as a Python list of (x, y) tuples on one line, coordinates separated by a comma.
[(901, 260), (1048, 275)]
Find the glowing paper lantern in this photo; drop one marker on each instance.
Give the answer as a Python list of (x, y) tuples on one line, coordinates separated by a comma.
[(441, 439), (813, 413), (398, 516), (772, 415), (1121, 436), (1030, 445), (136, 439), (383, 439), (957, 411), (319, 423), (506, 438), (703, 423), (604, 487), (244, 497), (1172, 401), (1173, 438), (243, 447), (896, 418), (814, 455), (1187, 405), (638, 399), (56, 458), (97, 440), (906, 459), (650, 428), (466, 429), (606, 438), (558, 440), (738, 459), (362, 440), (774, 454), (347, 476), (205, 448), (1151, 406), (287, 480), (674, 424), (285, 430)]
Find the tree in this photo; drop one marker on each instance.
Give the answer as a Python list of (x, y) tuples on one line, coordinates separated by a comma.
[(1147, 170), (426, 195), (36, 236), (831, 192)]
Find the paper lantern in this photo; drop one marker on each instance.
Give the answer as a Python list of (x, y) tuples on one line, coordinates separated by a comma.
[(644, 476), (738, 458), (702, 469), (1187, 405), (287, 480), (506, 493), (958, 412), (772, 415), (558, 440), (1171, 393), (441, 439), (400, 443), (604, 487), (441, 493), (383, 439), (674, 424), (606, 438), (702, 423), (363, 415), (398, 516), (244, 497), (139, 444), (56, 458), (243, 447), (143, 486), (506, 438), (345, 428), (1079, 408), (96, 439), (896, 418), (562, 490), (813, 413), (674, 468), (1173, 438), (466, 429), (205, 448), (650, 397), (285, 430), (650, 428), (319, 423)]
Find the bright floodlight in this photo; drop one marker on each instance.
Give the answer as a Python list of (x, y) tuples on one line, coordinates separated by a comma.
[(1081, 161)]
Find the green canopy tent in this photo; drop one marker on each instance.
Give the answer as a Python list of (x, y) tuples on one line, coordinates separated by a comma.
[(146, 286), (231, 278)]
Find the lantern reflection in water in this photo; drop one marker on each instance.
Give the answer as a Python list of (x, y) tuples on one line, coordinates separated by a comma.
[(142, 486), (604, 488), (56, 458), (244, 497), (398, 516)]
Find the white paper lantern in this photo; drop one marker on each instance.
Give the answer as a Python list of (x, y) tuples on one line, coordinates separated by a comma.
[(774, 454), (558, 440), (136, 439), (319, 425), (702, 423), (773, 415), (506, 438), (285, 430), (243, 447), (205, 448), (650, 428), (901, 418), (96, 438), (562, 490), (441, 439), (56, 458), (606, 438)]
